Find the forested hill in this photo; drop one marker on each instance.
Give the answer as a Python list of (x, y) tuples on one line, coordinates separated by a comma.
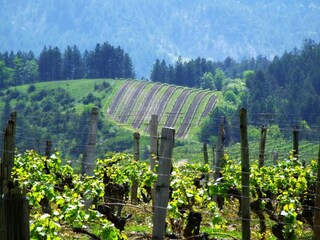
[(148, 30)]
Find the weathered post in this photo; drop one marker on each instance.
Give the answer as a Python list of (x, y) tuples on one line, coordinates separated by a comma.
[(296, 142), (89, 154), (153, 140), (153, 147), (206, 158), (245, 209), (14, 211), (48, 149), (213, 159), (262, 146), (275, 157), (316, 220), (220, 149), (219, 159), (163, 183), (136, 153)]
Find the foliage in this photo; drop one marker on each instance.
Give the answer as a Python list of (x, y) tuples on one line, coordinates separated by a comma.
[(105, 61), (57, 198)]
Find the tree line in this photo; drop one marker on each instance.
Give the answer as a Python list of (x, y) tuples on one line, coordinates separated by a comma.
[(105, 61), (204, 73), (282, 91)]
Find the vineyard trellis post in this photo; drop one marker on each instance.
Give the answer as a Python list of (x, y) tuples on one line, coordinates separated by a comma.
[(275, 156), (153, 147), (89, 154), (316, 220), (245, 175), (153, 140), (220, 153), (213, 158), (262, 146), (48, 149), (14, 210), (163, 183), (296, 142), (136, 156), (206, 158)]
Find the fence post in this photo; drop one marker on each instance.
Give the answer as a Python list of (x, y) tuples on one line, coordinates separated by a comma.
[(163, 182), (206, 158), (213, 159), (48, 149), (275, 157), (220, 148), (89, 154), (14, 210), (316, 219), (296, 142), (153, 140), (262, 146), (153, 147), (245, 177), (136, 153), (219, 158)]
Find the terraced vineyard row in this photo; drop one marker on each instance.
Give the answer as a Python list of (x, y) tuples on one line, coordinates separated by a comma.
[(175, 106)]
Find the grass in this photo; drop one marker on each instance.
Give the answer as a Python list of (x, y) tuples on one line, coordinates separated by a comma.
[(122, 103), (139, 102), (169, 106), (184, 109)]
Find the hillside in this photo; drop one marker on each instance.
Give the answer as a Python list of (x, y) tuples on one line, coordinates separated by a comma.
[(60, 111), (177, 107), (161, 29)]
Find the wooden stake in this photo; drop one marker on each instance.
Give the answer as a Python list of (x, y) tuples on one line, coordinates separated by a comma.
[(262, 146), (163, 182), (245, 211), (89, 155), (316, 224), (136, 152), (206, 158), (48, 149), (153, 140), (296, 142), (14, 210)]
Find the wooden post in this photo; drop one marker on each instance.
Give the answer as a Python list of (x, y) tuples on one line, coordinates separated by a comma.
[(296, 142), (213, 160), (275, 157), (134, 188), (245, 209), (163, 182), (219, 159), (316, 220), (89, 154), (220, 149), (48, 149), (206, 158), (153, 140), (153, 148), (262, 146), (14, 210)]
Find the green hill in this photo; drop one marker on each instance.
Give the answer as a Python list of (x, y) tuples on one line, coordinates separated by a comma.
[(177, 107), (60, 111)]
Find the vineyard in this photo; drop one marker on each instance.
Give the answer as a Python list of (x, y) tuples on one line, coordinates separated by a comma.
[(125, 198), (175, 106)]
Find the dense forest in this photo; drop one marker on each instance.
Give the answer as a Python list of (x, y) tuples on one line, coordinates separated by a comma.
[(105, 61), (286, 88), (161, 29), (282, 91)]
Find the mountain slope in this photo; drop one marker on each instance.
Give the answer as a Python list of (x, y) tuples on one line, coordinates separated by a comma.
[(161, 29)]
